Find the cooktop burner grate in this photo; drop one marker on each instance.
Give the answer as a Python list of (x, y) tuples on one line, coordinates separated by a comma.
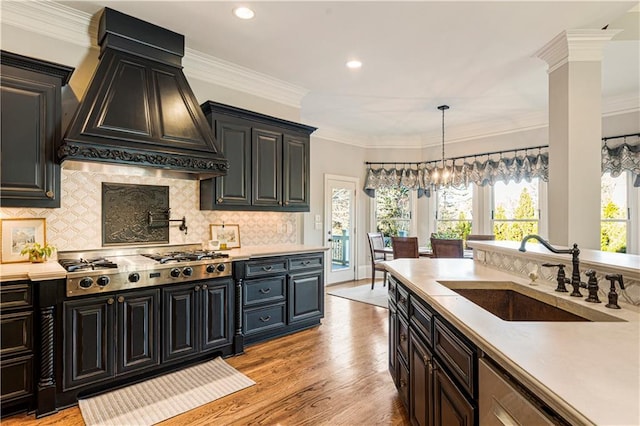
[(184, 256), (72, 265)]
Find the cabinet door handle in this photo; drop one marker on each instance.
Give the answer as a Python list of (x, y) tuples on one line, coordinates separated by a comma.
[(265, 290), (306, 262), (267, 268), (110, 301), (403, 300), (120, 299), (265, 319), (426, 360)]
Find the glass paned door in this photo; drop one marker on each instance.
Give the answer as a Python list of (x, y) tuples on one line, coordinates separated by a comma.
[(339, 229)]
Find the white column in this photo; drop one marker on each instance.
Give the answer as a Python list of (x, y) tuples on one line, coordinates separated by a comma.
[(575, 132)]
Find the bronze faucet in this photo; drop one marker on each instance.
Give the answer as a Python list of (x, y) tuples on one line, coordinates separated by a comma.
[(613, 296), (575, 262)]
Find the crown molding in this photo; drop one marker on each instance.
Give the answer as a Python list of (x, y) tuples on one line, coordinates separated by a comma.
[(622, 104), (575, 45), (53, 20), (217, 71), (61, 22)]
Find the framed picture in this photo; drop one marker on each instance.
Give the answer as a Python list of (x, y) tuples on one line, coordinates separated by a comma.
[(16, 233), (226, 234)]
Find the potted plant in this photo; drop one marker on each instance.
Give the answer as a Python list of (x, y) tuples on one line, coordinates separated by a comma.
[(37, 252)]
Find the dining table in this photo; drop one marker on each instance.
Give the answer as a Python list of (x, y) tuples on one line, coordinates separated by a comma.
[(423, 252)]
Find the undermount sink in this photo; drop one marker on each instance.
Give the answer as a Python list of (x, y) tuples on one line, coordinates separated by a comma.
[(514, 302)]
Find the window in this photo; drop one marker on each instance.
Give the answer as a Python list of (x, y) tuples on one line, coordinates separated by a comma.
[(614, 214), (393, 211), (515, 210), (454, 212)]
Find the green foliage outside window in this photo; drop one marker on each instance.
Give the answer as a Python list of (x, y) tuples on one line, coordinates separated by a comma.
[(613, 235), (393, 211), (515, 228)]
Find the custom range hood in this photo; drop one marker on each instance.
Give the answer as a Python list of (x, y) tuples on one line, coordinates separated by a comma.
[(139, 109)]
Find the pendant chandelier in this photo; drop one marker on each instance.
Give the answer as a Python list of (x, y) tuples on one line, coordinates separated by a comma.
[(441, 176)]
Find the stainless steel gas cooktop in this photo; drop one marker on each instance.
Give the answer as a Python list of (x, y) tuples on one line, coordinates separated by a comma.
[(102, 271)]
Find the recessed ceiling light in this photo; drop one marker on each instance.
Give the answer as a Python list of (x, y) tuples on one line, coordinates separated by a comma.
[(354, 64), (243, 12)]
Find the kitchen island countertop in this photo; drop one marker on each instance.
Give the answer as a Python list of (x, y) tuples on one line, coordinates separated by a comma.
[(589, 372)]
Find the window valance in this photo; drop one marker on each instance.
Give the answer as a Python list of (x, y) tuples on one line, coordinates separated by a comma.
[(463, 171), (622, 157)]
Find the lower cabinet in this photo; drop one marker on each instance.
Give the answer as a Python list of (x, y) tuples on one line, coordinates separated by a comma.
[(281, 294), (16, 346), (110, 335), (433, 367), (196, 318)]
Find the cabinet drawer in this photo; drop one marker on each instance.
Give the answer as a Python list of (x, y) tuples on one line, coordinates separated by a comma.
[(393, 288), (15, 296), (456, 354), (264, 290), (403, 383), (16, 333), (403, 300), (421, 319), (305, 262), (16, 377), (262, 319), (266, 267), (403, 338)]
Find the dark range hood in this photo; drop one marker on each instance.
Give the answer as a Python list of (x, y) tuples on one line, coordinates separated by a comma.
[(139, 109)]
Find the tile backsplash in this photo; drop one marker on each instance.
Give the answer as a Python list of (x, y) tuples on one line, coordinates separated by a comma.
[(76, 225)]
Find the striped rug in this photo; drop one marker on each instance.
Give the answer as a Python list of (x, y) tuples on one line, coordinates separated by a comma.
[(163, 397)]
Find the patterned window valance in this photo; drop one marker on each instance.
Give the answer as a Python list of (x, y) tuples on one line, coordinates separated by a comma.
[(464, 170), (621, 157)]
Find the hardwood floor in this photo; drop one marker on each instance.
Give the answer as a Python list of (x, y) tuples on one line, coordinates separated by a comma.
[(334, 374)]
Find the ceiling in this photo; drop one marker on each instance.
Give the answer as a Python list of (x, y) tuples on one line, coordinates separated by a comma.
[(478, 57)]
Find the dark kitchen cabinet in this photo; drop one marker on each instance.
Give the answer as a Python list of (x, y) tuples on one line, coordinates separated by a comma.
[(31, 127), (197, 318), (433, 366), (16, 346), (281, 294), (110, 335), (268, 158)]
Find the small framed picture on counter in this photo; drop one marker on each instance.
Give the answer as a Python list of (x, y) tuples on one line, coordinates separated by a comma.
[(228, 236), (17, 233)]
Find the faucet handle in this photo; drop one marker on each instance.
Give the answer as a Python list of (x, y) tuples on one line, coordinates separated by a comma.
[(613, 296), (561, 277), (592, 286)]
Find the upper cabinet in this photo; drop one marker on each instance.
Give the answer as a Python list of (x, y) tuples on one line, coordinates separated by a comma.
[(268, 162), (31, 130)]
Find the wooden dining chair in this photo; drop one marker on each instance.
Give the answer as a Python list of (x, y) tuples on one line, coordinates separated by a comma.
[(376, 242), (404, 247), (447, 248)]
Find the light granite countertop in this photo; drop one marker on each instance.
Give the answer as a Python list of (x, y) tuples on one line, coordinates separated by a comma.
[(249, 252), (589, 372), (50, 270)]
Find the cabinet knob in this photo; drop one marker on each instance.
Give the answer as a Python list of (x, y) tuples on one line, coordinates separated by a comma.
[(403, 383), (280, 202), (120, 299), (197, 288), (49, 194), (286, 203), (403, 337), (220, 200), (110, 301), (204, 286)]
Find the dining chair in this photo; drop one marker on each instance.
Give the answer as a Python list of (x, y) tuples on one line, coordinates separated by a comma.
[(447, 247), (404, 247), (376, 242)]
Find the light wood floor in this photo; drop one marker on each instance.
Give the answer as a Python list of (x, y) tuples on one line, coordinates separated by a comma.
[(334, 374)]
